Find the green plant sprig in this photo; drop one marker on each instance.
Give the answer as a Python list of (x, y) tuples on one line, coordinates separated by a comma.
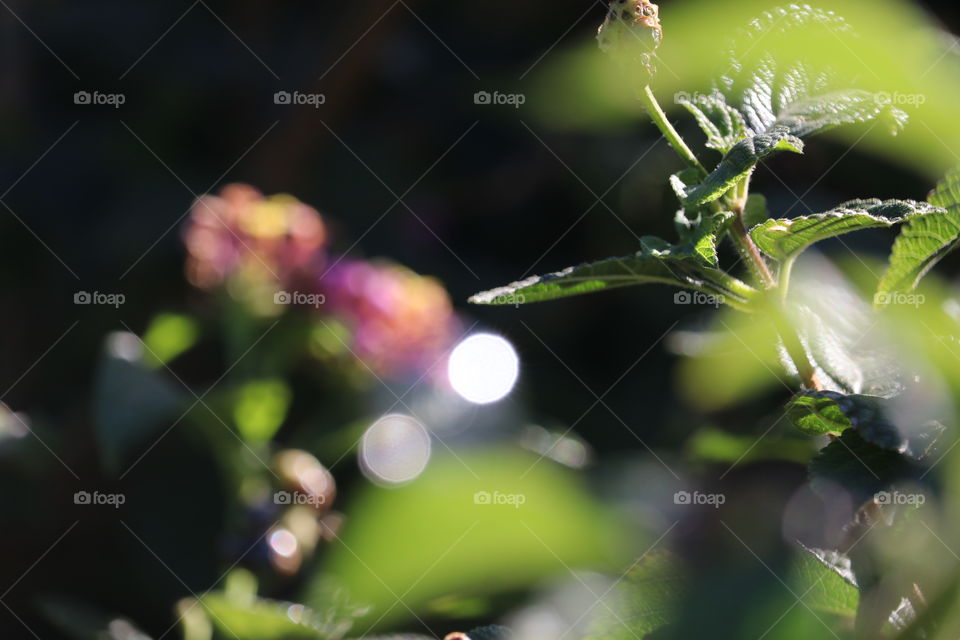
[(717, 203), (772, 106)]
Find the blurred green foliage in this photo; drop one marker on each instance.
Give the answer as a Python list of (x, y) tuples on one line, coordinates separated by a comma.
[(473, 524), (898, 51)]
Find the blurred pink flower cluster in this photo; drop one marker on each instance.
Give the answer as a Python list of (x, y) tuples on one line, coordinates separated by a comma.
[(257, 246), (400, 320), (244, 239)]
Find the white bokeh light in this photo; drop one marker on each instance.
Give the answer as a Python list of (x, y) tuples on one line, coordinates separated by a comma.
[(124, 345), (483, 368), (395, 449), (283, 543)]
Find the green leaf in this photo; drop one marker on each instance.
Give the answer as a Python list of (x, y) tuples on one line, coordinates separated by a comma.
[(260, 409), (722, 124), (167, 336), (924, 241), (495, 516), (766, 94), (860, 467), (822, 412), (836, 561), (714, 445), (824, 112), (771, 91), (806, 102), (750, 340), (194, 622), (240, 585), (816, 413), (787, 237), (257, 619), (736, 165), (659, 263), (823, 577), (699, 235), (648, 598), (830, 316), (237, 612)]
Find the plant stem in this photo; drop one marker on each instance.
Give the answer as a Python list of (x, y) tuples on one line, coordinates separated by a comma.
[(737, 286), (738, 230), (741, 237), (786, 269), (673, 137), (734, 292), (795, 349), (748, 250)]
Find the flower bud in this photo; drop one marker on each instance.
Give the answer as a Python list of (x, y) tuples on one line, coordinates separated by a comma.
[(631, 33)]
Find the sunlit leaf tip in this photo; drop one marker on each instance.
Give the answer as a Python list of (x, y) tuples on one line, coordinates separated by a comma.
[(785, 237), (924, 241)]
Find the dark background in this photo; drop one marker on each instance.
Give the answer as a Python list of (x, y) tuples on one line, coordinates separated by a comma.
[(400, 97)]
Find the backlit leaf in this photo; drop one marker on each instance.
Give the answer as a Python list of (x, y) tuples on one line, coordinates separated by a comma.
[(787, 237), (877, 420), (660, 263), (648, 598), (738, 163), (820, 577), (924, 241)]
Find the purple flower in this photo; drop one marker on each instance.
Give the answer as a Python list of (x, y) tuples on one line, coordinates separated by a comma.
[(401, 322)]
